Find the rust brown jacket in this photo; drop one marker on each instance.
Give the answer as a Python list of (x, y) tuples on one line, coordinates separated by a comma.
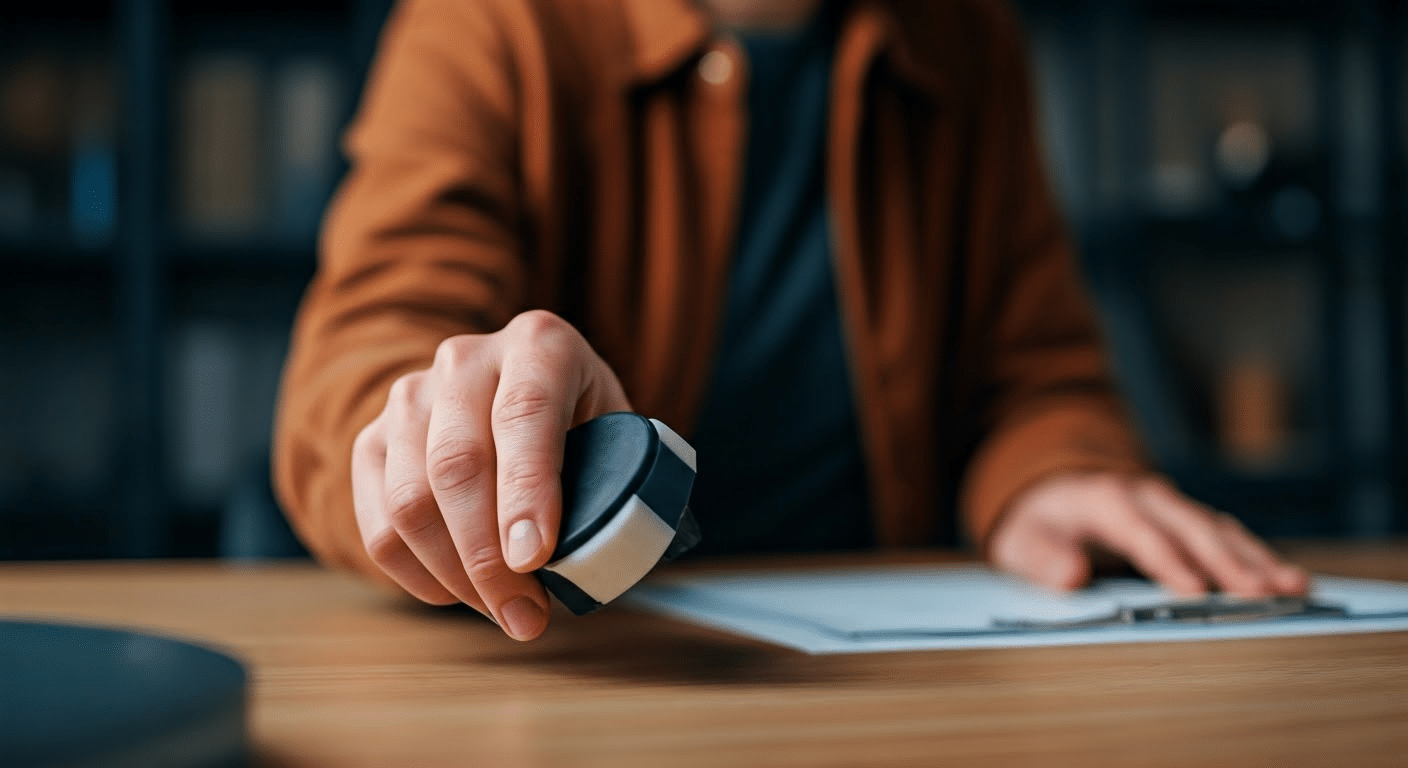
[(573, 155)]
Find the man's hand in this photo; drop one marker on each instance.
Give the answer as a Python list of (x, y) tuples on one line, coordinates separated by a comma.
[(457, 484), (1046, 535)]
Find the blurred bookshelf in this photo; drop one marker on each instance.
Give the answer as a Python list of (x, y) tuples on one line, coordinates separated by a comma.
[(1233, 169), (163, 170)]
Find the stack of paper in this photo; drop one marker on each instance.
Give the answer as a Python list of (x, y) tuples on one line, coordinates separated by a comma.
[(927, 607)]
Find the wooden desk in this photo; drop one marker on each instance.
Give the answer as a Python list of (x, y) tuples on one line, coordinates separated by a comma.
[(344, 676)]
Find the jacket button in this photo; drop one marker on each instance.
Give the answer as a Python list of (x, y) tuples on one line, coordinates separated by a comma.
[(715, 68)]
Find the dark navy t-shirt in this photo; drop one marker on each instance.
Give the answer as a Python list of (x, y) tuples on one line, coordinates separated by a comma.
[(780, 465)]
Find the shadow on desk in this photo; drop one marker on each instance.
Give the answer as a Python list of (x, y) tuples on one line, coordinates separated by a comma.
[(638, 649)]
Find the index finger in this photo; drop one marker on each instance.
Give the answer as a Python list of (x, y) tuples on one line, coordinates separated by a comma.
[(533, 409), (461, 460), (1122, 527)]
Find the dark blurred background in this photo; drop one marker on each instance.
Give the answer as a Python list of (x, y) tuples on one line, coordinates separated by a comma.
[(1234, 171)]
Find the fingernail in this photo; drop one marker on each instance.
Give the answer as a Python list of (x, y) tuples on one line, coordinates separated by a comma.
[(523, 544), (524, 619)]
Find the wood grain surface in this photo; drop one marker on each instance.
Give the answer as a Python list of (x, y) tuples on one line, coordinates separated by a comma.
[(346, 676)]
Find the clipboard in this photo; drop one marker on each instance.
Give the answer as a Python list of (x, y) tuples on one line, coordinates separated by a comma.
[(901, 608)]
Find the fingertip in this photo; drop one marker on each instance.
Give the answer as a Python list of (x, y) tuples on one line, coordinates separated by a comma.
[(1187, 590), (1055, 565), (1293, 580), (1259, 583), (523, 618), (1186, 584), (524, 550), (1067, 571)]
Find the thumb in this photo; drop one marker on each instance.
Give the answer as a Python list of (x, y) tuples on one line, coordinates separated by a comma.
[(1042, 558)]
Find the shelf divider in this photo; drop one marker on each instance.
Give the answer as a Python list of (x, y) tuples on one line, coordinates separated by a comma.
[(139, 526)]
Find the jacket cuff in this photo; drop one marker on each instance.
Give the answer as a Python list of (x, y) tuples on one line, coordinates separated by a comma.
[(1073, 436)]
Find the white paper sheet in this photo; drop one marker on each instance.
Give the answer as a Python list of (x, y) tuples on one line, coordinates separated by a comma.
[(901, 608)]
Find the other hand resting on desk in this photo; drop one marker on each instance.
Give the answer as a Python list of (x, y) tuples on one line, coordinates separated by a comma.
[(1046, 534)]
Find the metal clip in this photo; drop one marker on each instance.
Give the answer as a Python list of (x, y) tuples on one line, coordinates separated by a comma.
[(1214, 609)]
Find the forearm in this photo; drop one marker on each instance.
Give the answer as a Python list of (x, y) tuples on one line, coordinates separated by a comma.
[(1048, 403), (420, 244), (334, 384), (1066, 434)]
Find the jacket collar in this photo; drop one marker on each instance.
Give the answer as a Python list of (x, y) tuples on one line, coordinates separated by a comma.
[(667, 34)]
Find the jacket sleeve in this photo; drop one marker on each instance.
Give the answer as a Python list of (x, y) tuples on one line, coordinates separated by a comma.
[(1047, 402), (419, 244)]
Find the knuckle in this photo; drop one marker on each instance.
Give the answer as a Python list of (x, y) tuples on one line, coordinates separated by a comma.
[(1114, 488), (523, 401), (383, 546), (1127, 516), (1150, 543), (1110, 482), (409, 508), (485, 565), (1099, 490), (455, 464), (405, 392), (537, 323), (457, 351), (370, 440), (551, 340), (522, 486)]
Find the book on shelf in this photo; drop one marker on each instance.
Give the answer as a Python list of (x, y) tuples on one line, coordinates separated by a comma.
[(222, 380), (219, 164), (93, 159), (36, 106), (258, 141), (307, 109)]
